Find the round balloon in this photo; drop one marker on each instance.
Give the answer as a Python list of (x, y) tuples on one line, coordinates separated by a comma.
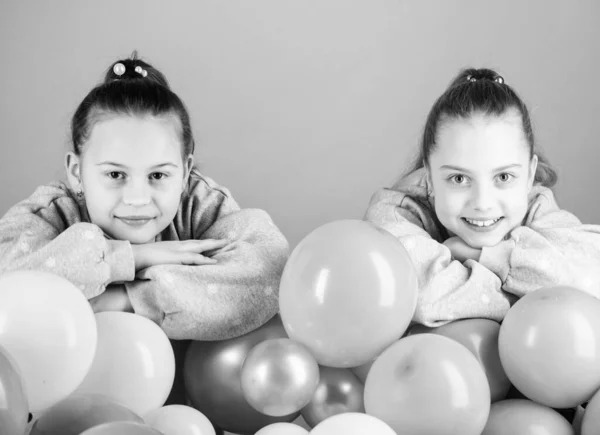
[(179, 420), (134, 363), (549, 346), (212, 377), (590, 421), (353, 423), (48, 327), (14, 407), (282, 429), (279, 377), (428, 384), (480, 336), (122, 428), (338, 391), (520, 416), (80, 412), (348, 290)]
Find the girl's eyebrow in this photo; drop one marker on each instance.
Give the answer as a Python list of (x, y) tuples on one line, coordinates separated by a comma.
[(119, 165), (499, 169)]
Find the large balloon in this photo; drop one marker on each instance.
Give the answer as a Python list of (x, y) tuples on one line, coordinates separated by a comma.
[(179, 420), (480, 336), (134, 363), (339, 391), (279, 377), (282, 429), (122, 428), (212, 377), (353, 423), (80, 412), (549, 346), (524, 417), (14, 407), (428, 384), (348, 291), (48, 327)]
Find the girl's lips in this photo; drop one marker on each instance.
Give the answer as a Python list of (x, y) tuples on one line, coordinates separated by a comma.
[(135, 221), (491, 224)]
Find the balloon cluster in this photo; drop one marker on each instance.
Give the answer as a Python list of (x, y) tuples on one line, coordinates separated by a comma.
[(342, 354), (74, 372), (347, 295)]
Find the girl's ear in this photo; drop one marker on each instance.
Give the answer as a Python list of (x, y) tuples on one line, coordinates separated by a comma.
[(187, 169), (429, 181), (73, 169), (532, 169)]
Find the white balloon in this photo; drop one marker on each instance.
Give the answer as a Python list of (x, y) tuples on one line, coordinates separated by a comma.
[(134, 363), (179, 420), (48, 327), (282, 429), (352, 423)]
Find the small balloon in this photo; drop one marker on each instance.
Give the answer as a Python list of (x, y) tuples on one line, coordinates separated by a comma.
[(134, 363), (555, 366), (179, 420), (122, 428), (212, 377), (520, 416), (282, 429), (338, 391), (279, 377), (80, 412), (49, 328), (348, 291), (353, 423), (428, 384), (14, 407)]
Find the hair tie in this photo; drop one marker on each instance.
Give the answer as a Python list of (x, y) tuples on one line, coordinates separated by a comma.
[(141, 71), (499, 79), (119, 69)]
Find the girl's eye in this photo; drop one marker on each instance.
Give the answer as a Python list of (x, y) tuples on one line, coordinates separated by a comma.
[(505, 177), (157, 175), (458, 179), (115, 175)]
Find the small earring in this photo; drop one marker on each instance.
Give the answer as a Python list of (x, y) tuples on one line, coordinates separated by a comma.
[(79, 194)]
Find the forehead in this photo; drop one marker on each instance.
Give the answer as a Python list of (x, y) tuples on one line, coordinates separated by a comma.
[(134, 140), (481, 142)]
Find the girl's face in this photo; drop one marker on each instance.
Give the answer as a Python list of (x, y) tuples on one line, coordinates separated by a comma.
[(132, 175), (481, 175)]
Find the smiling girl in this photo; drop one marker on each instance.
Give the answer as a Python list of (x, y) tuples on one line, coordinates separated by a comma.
[(138, 228), (476, 211)]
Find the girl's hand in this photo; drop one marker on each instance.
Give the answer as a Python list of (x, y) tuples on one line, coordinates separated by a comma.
[(114, 298), (461, 251), (188, 252)]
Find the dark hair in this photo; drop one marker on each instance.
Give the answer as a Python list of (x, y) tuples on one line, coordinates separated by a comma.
[(480, 91), (134, 93)]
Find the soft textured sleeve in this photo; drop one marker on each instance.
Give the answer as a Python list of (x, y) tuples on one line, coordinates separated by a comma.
[(448, 290), (552, 248), (216, 301), (45, 232)]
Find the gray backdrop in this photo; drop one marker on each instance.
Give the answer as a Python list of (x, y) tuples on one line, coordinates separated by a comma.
[(303, 108)]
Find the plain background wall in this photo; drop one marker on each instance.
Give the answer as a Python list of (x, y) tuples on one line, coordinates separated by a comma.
[(303, 108)]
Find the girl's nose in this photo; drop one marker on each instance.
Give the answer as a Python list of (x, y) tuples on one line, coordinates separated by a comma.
[(483, 198), (136, 193)]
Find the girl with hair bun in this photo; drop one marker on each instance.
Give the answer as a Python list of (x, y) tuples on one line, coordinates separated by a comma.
[(476, 210)]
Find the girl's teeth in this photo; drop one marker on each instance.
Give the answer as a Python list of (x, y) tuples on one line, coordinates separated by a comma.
[(482, 223)]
